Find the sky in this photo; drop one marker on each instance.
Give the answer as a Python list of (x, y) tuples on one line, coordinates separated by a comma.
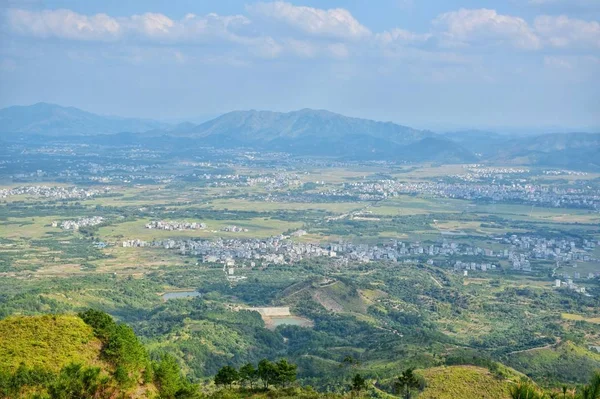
[(437, 64)]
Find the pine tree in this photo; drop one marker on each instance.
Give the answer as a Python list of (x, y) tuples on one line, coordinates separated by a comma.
[(286, 372), (358, 383), (168, 377), (227, 375), (249, 374), (267, 372), (407, 382)]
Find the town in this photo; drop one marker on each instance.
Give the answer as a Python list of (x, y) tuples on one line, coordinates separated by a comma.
[(55, 192), (519, 252), (179, 226)]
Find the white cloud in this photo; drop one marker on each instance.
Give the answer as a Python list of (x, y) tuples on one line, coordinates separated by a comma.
[(266, 47), (562, 31), (194, 27), (152, 25), (401, 36), (315, 33), (484, 26), (64, 24), (337, 23)]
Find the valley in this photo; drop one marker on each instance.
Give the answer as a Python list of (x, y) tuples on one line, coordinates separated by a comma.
[(227, 258)]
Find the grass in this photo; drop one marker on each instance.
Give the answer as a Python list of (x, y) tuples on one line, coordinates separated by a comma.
[(245, 205), (35, 227), (48, 341), (463, 382), (566, 362), (576, 317), (257, 227)]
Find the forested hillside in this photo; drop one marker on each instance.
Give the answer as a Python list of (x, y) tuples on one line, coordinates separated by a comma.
[(92, 356)]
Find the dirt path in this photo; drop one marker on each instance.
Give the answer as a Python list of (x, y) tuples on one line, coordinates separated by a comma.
[(436, 281), (549, 346)]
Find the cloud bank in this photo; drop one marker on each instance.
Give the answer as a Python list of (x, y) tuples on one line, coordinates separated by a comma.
[(308, 31)]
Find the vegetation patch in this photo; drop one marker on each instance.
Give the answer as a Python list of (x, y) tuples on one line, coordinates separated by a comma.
[(463, 382), (48, 341)]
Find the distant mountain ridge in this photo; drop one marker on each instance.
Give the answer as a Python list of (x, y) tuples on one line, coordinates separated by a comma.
[(55, 120), (309, 132), (269, 126)]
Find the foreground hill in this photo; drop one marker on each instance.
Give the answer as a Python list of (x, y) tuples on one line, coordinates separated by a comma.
[(67, 356), (89, 355), (566, 360), (464, 382), (49, 341), (54, 120)]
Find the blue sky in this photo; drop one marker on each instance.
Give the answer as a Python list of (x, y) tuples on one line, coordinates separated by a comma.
[(439, 64)]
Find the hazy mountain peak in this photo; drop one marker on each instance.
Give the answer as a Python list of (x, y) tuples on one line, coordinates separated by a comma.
[(55, 120)]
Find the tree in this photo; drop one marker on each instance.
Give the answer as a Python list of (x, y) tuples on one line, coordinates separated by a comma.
[(120, 346), (526, 390), (127, 353), (407, 383), (267, 372), (349, 361), (286, 372), (168, 377), (358, 383), (227, 375), (592, 390), (78, 382), (248, 374), (102, 323)]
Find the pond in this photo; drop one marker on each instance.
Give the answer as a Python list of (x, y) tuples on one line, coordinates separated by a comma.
[(179, 294)]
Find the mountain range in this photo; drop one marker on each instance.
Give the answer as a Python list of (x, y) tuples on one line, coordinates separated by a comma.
[(313, 132), (54, 120)]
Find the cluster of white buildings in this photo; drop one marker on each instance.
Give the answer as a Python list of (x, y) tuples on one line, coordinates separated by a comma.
[(283, 249), (234, 229), (458, 266), (568, 284), (175, 226), (564, 172), (561, 250), (478, 173), (522, 192), (54, 192), (270, 181), (77, 224)]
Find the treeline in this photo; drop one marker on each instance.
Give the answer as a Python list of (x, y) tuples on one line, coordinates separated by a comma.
[(528, 390), (281, 373)]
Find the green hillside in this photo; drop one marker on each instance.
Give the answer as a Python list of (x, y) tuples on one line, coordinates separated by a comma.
[(49, 341), (566, 361), (68, 356), (457, 382), (90, 355)]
